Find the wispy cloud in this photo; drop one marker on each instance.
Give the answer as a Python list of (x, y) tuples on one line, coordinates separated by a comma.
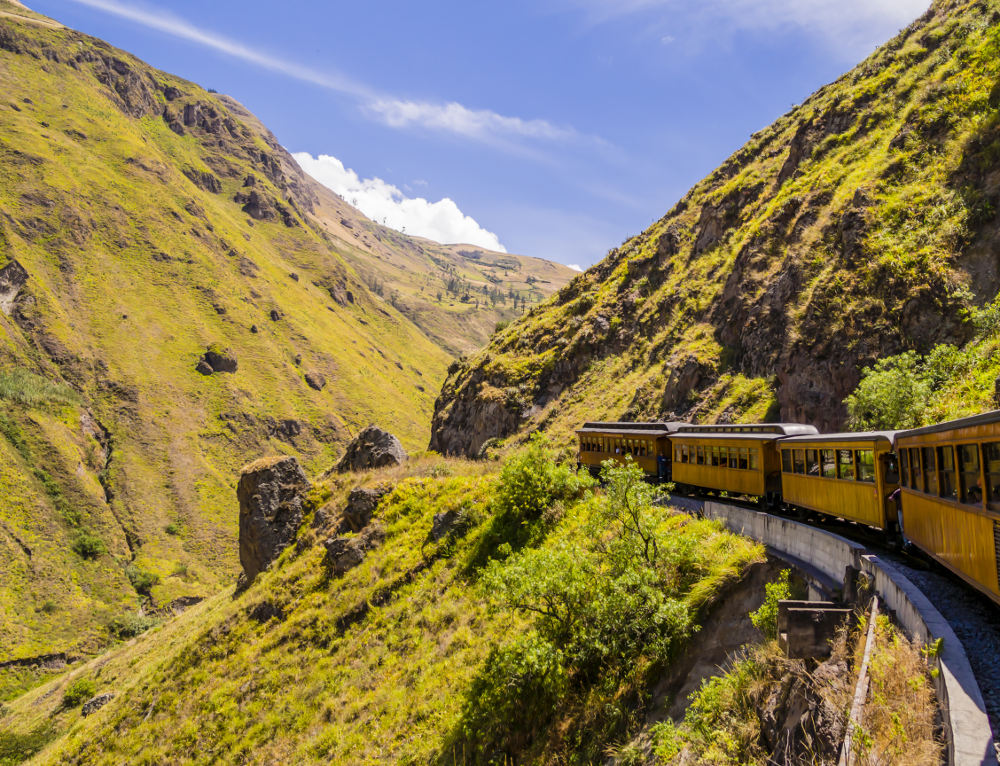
[(852, 26), (441, 221), (481, 125)]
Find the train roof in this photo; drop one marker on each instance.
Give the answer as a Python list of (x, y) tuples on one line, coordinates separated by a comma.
[(860, 436), (630, 429), (784, 429), (738, 436), (953, 425)]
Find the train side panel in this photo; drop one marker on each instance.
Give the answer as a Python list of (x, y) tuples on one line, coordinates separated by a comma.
[(964, 540), (737, 466), (852, 500)]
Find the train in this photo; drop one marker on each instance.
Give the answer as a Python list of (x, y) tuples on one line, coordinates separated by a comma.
[(936, 488)]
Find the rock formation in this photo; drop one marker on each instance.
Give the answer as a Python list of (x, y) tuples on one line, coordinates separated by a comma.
[(12, 278), (344, 553), (270, 493), (216, 359), (372, 448)]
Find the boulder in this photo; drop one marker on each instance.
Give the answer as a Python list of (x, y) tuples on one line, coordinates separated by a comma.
[(315, 381), (344, 553), (216, 359), (452, 522), (372, 448), (95, 704), (270, 493), (361, 505)]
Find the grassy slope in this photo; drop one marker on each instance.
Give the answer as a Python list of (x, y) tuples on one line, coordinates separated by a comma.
[(134, 271), (218, 684), (860, 224)]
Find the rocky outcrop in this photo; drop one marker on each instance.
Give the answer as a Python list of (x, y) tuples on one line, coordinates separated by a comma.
[(343, 553), (271, 493), (315, 381), (13, 278), (91, 706), (372, 448), (217, 359), (360, 508)]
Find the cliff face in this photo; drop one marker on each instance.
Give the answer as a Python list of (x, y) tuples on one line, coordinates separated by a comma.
[(862, 223)]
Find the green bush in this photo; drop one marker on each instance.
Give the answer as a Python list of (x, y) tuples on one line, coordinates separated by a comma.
[(141, 580), (87, 545), (17, 748), (512, 696), (765, 618), (130, 625), (78, 692), (531, 483), (173, 528)]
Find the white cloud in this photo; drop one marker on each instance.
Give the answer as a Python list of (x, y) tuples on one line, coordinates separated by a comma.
[(441, 221), (573, 266), (476, 124), (481, 124)]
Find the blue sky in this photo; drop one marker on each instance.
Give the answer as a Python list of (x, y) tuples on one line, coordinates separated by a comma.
[(554, 128)]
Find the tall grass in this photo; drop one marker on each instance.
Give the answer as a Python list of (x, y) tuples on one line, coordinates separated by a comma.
[(25, 387)]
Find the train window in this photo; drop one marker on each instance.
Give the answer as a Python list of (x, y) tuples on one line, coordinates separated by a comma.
[(753, 459), (904, 465), (734, 456), (799, 458), (968, 467), (930, 485), (700, 455), (946, 464), (812, 462), (866, 465), (991, 455), (744, 463), (890, 469), (786, 461), (916, 470), (828, 461), (845, 464)]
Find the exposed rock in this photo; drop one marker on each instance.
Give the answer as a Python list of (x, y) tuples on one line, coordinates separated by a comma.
[(181, 603), (93, 705), (316, 380), (257, 205), (204, 367), (361, 504), (275, 315), (452, 522), (270, 493), (13, 277), (344, 553), (253, 329), (204, 180), (372, 448), (217, 360), (266, 611)]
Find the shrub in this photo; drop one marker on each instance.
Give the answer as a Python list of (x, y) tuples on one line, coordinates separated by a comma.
[(765, 618), (130, 625), (512, 696), (141, 580), (78, 692), (173, 528), (87, 545), (892, 394), (18, 748)]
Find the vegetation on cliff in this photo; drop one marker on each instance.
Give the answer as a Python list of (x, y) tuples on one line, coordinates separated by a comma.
[(415, 654), (861, 224)]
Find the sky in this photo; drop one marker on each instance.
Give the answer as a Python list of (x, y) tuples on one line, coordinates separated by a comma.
[(552, 128)]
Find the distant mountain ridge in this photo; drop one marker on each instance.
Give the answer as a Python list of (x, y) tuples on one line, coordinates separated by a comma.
[(178, 298), (863, 223)]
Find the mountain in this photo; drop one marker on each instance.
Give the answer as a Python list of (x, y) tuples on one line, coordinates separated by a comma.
[(861, 224), (176, 298)]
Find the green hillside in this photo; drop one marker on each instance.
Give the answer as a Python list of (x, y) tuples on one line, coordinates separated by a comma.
[(861, 224), (143, 222)]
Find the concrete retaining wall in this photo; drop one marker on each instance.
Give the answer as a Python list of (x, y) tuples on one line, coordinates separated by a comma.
[(970, 742)]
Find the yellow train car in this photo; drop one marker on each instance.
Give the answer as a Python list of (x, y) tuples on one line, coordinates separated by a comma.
[(950, 477), (850, 476), (647, 444), (741, 460)]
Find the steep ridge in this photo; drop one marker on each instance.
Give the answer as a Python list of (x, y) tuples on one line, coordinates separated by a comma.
[(861, 224), (174, 302)]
